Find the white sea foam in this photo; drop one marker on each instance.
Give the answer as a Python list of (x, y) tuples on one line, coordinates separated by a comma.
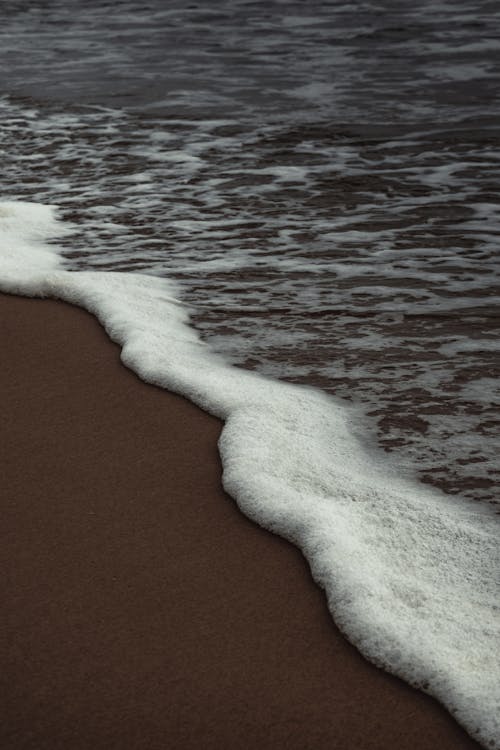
[(411, 575), (382, 243)]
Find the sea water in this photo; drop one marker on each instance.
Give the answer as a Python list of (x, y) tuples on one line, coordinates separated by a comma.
[(315, 185)]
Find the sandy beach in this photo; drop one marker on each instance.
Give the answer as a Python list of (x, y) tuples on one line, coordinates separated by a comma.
[(142, 609)]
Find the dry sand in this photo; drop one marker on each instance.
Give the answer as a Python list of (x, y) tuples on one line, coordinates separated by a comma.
[(141, 609)]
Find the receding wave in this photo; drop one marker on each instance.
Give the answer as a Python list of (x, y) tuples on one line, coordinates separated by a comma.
[(365, 265)]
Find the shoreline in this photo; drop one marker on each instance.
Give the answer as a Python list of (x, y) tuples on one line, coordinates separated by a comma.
[(144, 610)]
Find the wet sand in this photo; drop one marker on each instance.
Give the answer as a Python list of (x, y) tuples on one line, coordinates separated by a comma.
[(142, 610)]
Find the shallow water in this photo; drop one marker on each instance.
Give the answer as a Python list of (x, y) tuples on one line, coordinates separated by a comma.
[(319, 182), (321, 178)]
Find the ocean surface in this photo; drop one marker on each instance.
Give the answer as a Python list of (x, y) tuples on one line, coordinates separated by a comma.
[(317, 185)]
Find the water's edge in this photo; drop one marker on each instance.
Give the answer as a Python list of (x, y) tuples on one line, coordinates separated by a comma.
[(409, 574)]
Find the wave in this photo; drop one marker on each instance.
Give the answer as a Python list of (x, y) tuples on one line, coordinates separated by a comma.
[(410, 574)]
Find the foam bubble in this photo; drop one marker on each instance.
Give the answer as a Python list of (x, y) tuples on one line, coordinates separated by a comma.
[(24, 229), (411, 575)]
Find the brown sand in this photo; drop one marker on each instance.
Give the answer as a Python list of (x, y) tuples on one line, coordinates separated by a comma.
[(142, 610)]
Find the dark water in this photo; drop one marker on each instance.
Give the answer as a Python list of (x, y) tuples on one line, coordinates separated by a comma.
[(321, 178)]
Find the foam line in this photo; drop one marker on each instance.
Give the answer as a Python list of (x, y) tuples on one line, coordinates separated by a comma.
[(411, 575)]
